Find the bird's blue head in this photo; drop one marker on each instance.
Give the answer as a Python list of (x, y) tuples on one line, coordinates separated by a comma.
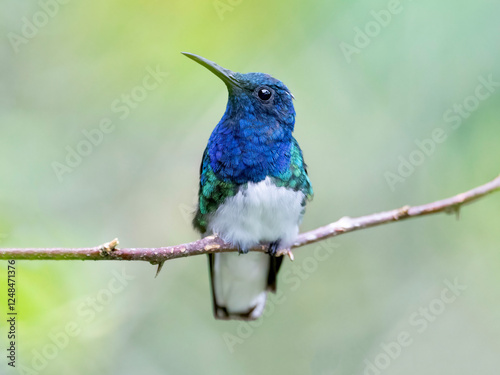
[(254, 137)]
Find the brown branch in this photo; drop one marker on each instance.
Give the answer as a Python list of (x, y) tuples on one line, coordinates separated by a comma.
[(214, 244)]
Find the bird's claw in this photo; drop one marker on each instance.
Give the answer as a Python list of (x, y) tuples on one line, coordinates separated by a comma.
[(286, 252), (242, 251), (273, 248)]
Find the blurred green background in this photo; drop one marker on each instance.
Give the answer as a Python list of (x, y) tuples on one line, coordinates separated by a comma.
[(356, 118)]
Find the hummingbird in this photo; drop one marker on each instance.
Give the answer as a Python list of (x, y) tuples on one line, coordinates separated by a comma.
[(253, 190)]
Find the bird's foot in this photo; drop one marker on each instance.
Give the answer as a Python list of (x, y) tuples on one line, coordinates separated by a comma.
[(285, 252), (289, 253), (242, 251), (273, 251), (273, 248)]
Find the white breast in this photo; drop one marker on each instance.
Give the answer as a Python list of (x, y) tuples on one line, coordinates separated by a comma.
[(260, 212)]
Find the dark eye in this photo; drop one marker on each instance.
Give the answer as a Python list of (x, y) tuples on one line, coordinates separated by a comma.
[(265, 94)]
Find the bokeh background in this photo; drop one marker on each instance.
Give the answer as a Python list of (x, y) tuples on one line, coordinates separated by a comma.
[(357, 118)]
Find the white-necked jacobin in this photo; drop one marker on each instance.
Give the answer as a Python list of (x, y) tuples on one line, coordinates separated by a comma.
[(253, 189)]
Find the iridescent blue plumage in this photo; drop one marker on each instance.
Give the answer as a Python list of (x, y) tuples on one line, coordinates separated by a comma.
[(253, 138), (253, 189)]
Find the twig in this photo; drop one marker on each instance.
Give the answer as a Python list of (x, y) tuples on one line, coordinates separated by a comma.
[(214, 244)]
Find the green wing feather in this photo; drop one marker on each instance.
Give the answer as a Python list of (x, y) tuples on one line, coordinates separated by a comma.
[(212, 192), (296, 177)]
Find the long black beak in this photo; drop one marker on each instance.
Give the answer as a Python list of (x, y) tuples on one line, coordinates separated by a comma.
[(227, 76)]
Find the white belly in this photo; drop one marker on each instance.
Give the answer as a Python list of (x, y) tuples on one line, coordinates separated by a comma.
[(259, 213)]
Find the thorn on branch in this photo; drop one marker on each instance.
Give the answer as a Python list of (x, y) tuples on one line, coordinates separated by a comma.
[(160, 266)]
